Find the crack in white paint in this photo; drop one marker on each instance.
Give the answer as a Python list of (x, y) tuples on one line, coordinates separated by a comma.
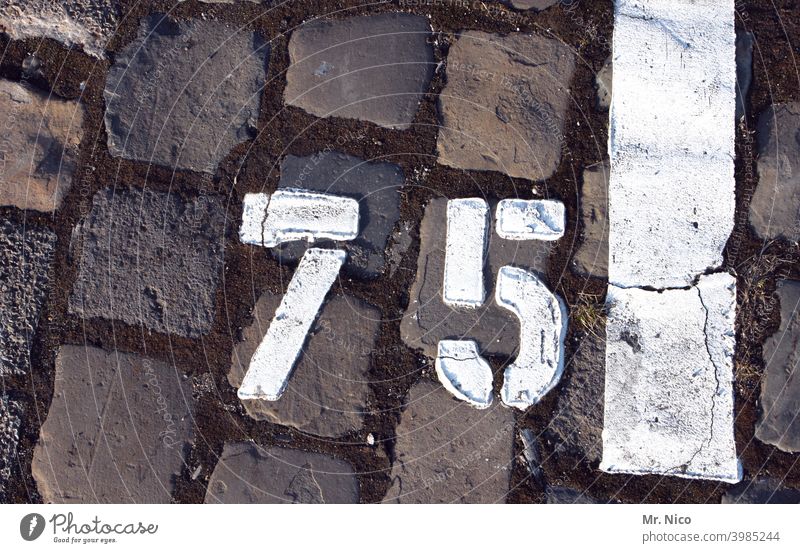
[(543, 325), (465, 249), (289, 215), (670, 329), (273, 361), (530, 219), (464, 373), (669, 381)]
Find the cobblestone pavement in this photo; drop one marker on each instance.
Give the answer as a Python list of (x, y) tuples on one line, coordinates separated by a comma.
[(130, 308)]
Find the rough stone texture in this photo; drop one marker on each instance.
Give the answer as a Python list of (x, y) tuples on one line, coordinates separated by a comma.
[(374, 68), (10, 420), (449, 452), (577, 424), (183, 94), (376, 186), (504, 104), (117, 430), (591, 257), (605, 84), (744, 69), (150, 258), (537, 5), (247, 473), (25, 258), (428, 320), (668, 404), (761, 492), (779, 423), (87, 23), (327, 391), (38, 147), (775, 208)]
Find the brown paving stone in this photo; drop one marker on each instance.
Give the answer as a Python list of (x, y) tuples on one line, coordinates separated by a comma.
[(117, 430), (376, 186), (504, 105), (38, 147), (247, 473), (80, 23), (428, 319), (591, 258), (779, 423), (150, 258), (374, 68), (184, 94), (775, 208), (449, 452), (328, 389), (26, 254)]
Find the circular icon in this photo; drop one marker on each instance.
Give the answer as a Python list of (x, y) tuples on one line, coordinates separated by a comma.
[(31, 526)]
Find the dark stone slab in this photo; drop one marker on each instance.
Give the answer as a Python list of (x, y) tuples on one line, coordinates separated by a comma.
[(328, 389), (38, 147), (536, 5), (376, 186), (150, 258), (449, 452), (744, 69), (428, 319), (117, 431), (779, 423), (10, 420), (577, 424), (25, 257), (761, 492), (247, 473), (775, 208), (183, 94), (504, 105), (373, 68), (605, 83), (591, 258), (559, 495)]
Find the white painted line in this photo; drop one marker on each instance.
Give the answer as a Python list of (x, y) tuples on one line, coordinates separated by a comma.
[(467, 225), (464, 373), (669, 374), (253, 213), (297, 215), (272, 363), (671, 189), (543, 326), (530, 219)]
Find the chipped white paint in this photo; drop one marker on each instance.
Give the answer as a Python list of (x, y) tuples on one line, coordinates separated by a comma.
[(669, 373), (530, 219), (543, 324), (467, 225), (464, 373), (289, 215), (671, 190), (272, 363), (254, 208)]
